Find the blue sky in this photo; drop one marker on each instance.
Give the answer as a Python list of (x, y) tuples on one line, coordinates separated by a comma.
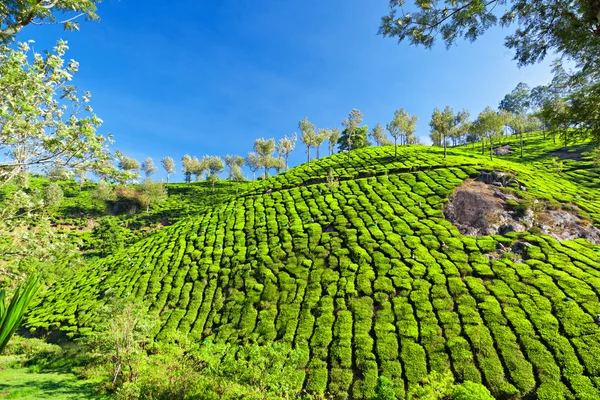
[(209, 77)]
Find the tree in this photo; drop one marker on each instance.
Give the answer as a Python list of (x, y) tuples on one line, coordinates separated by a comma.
[(53, 195), (17, 14), (11, 313), (442, 122), (55, 174), (233, 163), (308, 136), (129, 165), (253, 162), (461, 126), (198, 167), (186, 161), (321, 136), (517, 123), (236, 175), (378, 136), (152, 193), (48, 125), (109, 236), (215, 166), (568, 28), (332, 181), (489, 123), (285, 147), (81, 174), (264, 149), (334, 136), (149, 167), (351, 125), (358, 140), (518, 101), (169, 165), (103, 192), (402, 126)]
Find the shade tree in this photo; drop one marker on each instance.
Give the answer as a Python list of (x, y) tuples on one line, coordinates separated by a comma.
[(308, 136), (264, 149), (489, 125), (321, 136), (169, 166), (50, 124), (214, 166), (402, 127), (334, 136), (17, 14), (351, 126), (253, 162), (285, 146), (518, 101), (148, 167), (442, 123), (378, 136), (129, 165)]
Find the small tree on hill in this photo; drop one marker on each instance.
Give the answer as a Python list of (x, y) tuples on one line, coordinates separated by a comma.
[(109, 236), (169, 165), (264, 149), (186, 161), (149, 167), (358, 140), (53, 195), (334, 136), (442, 123), (236, 175), (233, 164), (308, 136), (321, 136), (489, 124), (378, 136), (215, 166), (199, 167), (333, 181), (129, 165), (402, 127), (285, 147), (253, 163), (351, 126), (152, 193)]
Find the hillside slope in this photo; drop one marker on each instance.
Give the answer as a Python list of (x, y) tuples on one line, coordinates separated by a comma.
[(370, 279)]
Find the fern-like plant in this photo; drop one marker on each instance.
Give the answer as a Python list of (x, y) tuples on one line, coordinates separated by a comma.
[(11, 313)]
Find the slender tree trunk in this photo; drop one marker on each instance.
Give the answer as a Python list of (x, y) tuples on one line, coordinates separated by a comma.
[(318, 152), (444, 139), (253, 175), (554, 135), (308, 154), (521, 144), (491, 148), (286, 162), (482, 145), (395, 148)]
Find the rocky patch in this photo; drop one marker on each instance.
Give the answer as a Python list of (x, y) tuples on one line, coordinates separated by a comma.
[(481, 208)]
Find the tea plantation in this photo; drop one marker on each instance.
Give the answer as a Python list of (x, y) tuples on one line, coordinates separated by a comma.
[(369, 279)]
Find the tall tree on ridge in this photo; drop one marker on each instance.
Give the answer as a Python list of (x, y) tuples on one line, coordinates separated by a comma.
[(351, 125), (334, 136), (265, 148), (149, 167), (285, 146), (254, 163), (378, 136), (442, 122), (308, 135), (321, 136), (403, 125), (169, 165)]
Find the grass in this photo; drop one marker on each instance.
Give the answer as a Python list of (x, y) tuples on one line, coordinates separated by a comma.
[(22, 384)]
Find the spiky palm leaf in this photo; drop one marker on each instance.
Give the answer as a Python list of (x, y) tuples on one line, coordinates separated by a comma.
[(12, 313)]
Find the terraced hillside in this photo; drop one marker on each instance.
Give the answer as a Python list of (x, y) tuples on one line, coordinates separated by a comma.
[(370, 279)]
